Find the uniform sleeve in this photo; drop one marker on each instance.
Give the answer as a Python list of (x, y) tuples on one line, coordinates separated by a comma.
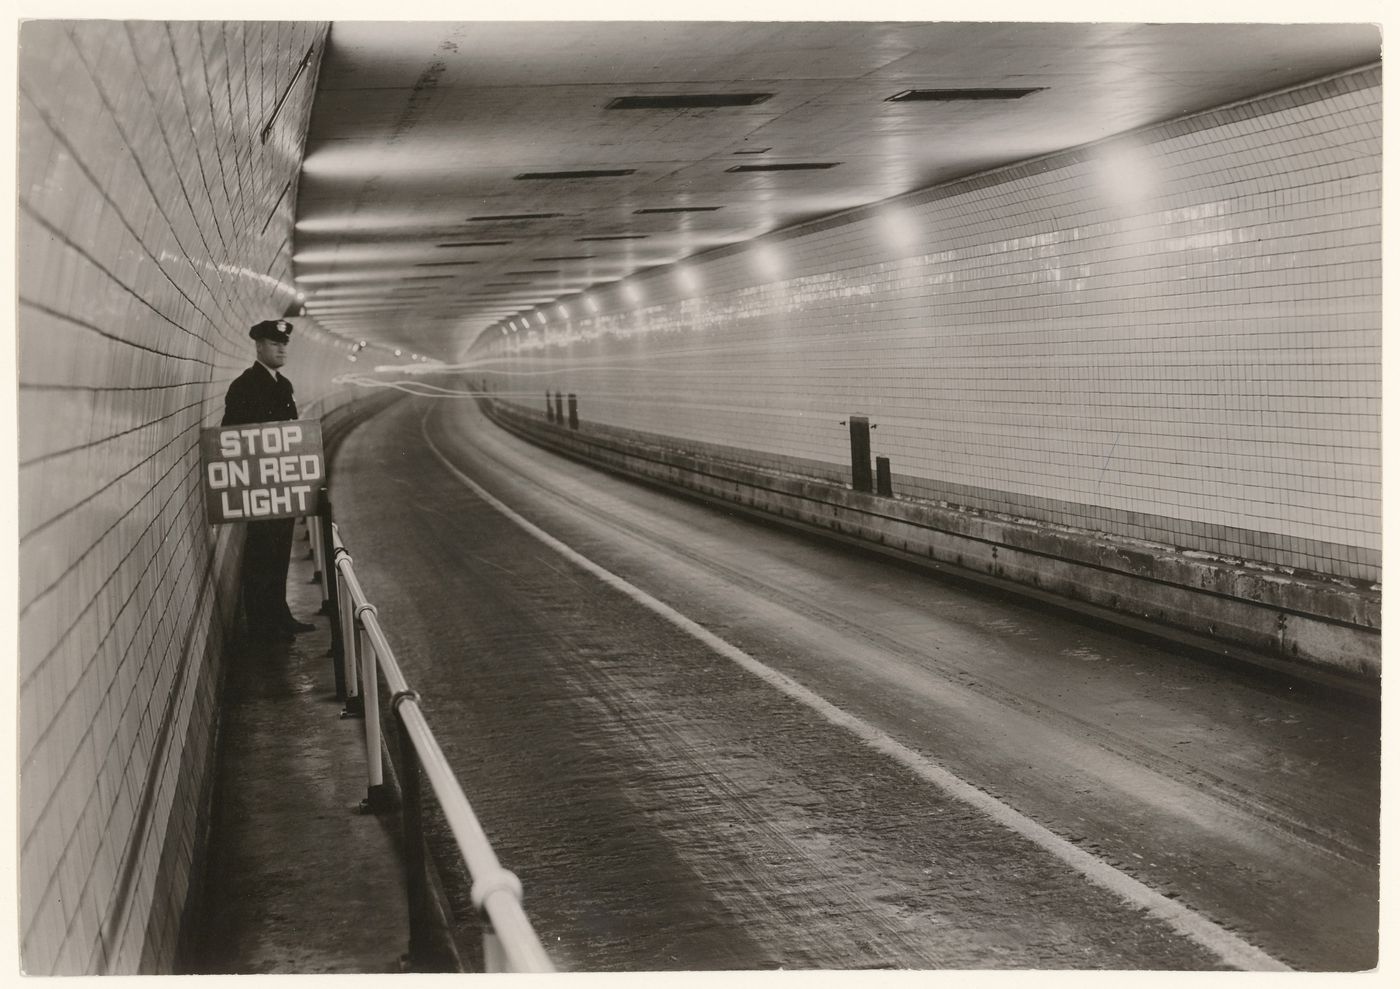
[(238, 410)]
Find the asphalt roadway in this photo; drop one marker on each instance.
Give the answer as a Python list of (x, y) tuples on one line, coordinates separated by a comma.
[(707, 743)]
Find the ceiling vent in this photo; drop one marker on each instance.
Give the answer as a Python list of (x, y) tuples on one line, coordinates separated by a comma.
[(678, 209), (687, 101), (797, 166), (614, 237), (513, 216), (584, 173), (954, 95)]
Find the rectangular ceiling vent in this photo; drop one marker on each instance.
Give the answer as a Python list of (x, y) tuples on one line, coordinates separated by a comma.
[(687, 101), (614, 237), (476, 243), (513, 216), (794, 166), (582, 173), (954, 95), (678, 209)]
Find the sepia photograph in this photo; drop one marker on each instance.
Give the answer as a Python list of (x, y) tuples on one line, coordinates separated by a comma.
[(698, 492)]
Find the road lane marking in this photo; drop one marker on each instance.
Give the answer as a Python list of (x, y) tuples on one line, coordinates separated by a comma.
[(1228, 947)]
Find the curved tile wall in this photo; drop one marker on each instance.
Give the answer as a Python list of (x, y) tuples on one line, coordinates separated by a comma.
[(156, 187), (1173, 335)]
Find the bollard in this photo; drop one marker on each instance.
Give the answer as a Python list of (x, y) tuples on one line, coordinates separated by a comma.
[(882, 477), (860, 453), (573, 411), (549, 406), (559, 406)]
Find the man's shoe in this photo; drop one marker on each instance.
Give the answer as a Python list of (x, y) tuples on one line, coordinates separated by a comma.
[(295, 626)]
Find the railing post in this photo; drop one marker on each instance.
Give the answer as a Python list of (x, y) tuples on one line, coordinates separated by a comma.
[(377, 797), (354, 705), (330, 591), (430, 947)]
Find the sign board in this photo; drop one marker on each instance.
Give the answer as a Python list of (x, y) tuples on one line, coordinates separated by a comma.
[(270, 470)]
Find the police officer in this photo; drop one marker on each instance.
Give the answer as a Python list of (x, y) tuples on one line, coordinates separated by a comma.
[(261, 394)]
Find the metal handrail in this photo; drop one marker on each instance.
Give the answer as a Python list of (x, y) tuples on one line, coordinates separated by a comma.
[(510, 943)]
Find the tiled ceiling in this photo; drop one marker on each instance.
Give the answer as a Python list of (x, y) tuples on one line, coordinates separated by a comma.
[(416, 230)]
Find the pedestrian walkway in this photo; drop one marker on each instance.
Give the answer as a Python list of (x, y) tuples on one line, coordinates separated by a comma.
[(299, 880)]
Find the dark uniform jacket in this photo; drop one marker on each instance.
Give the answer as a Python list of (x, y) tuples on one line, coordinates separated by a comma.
[(255, 397)]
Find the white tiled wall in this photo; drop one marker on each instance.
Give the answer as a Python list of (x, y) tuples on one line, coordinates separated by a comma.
[(1174, 335), (153, 231)]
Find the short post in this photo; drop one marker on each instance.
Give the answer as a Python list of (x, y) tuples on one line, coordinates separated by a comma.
[(882, 477), (330, 592), (573, 411), (559, 406), (860, 453), (549, 406)]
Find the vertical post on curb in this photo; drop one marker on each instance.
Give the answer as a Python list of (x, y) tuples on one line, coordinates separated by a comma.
[(573, 411), (883, 486), (330, 591), (549, 406), (860, 453)]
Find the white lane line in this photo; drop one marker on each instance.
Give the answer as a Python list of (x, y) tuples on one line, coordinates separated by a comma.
[(1231, 949)]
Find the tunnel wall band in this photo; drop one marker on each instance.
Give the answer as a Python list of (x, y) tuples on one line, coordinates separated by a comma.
[(156, 193), (1253, 612), (1173, 336)]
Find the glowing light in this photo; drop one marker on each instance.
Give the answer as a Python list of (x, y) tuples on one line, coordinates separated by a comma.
[(899, 229), (543, 318), (563, 312), (398, 352), (688, 279), (1127, 174), (632, 291), (367, 222), (591, 303), (769, 260)]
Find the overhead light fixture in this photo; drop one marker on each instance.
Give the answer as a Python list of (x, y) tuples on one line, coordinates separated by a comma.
[(591, 303), (793, 166), (955, 95), (582, 173), (563, 312), (677, 209), (754, 151), (512, 216), (687, 101)]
